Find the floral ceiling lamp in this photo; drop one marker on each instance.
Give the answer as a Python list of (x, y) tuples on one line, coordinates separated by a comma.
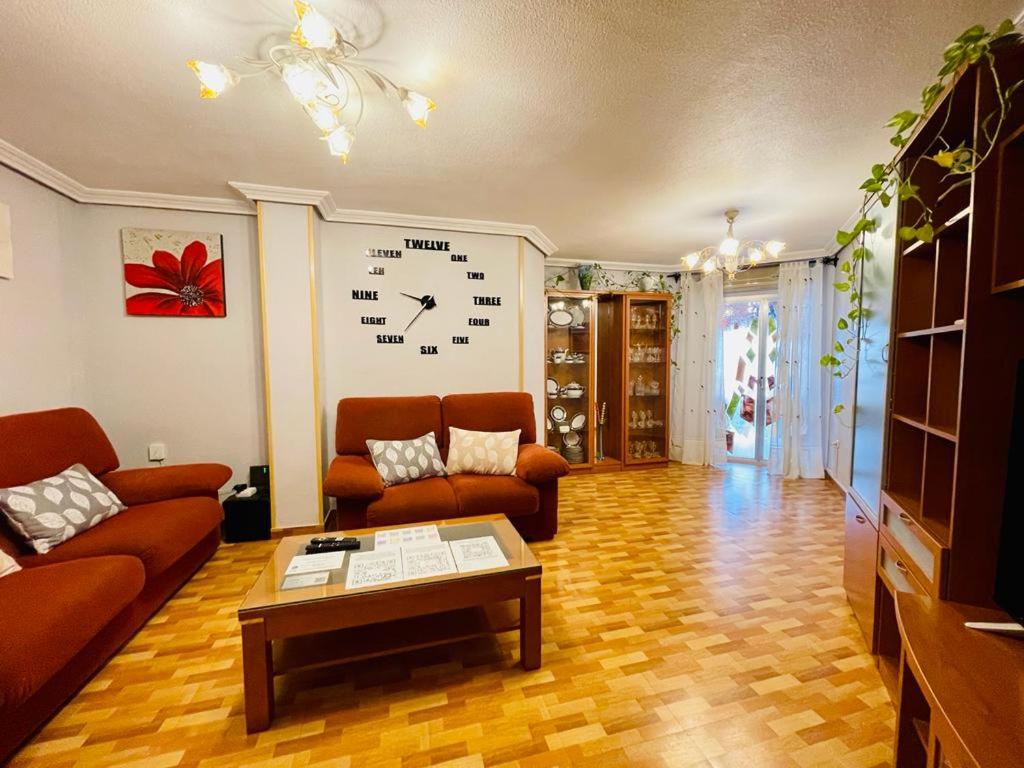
[(732, 255), (319, 68)]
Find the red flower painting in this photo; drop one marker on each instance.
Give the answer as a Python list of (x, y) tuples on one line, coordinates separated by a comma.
[(191, 286)]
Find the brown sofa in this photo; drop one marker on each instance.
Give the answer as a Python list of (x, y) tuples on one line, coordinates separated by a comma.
[(529, 498), (69, 610)]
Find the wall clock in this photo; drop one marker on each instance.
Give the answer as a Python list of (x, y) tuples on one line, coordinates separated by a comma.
[(426, 293)]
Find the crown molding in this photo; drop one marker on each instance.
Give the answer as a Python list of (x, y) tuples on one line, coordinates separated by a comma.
[(668, 269), (329, 211), (35, 169)]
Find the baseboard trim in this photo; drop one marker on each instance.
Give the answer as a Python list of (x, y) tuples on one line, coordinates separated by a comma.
[(295, 530)]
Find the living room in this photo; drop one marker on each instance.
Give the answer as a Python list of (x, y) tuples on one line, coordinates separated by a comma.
[(479, 383)]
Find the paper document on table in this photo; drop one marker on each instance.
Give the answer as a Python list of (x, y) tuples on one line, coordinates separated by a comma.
[(477, 554), (421, 561), (322, 561), (400, 537), (368, 569), (305, 580)]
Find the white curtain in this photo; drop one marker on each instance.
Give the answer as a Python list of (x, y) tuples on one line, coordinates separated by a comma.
[(796, 449), (698, 410)]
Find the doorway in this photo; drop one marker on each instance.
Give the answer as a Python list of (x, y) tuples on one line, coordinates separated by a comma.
[(749, 337)]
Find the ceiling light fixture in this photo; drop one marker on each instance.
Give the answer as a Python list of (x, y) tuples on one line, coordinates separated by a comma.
[(732, 255), (319, 69)]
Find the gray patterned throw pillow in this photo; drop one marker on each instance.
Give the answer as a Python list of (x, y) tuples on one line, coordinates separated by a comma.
[(402, 461), (51, 511)]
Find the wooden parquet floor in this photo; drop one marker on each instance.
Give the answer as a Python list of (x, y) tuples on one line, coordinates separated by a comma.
[(691, 618)]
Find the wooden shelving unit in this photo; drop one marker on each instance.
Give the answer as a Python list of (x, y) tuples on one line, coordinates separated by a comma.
[(630, 360), (569, 354), (958, 334)]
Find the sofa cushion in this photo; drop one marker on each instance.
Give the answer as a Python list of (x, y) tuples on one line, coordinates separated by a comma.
[(43, 443), (51, 613), (384, 418), (403, 461), (494, 494), (430, 499), (159, 534), (492, 412), (482, 453), (50, 511)]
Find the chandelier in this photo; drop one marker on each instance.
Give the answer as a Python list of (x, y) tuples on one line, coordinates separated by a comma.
[(733, 255), (319, 68)]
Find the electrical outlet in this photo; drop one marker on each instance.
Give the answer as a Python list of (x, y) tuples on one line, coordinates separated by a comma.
[(157, 452)]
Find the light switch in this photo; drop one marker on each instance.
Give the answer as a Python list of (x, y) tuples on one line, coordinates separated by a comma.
[(157, 452)]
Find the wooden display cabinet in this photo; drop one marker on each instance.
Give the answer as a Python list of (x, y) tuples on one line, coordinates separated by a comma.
[(626, 340), (955, 345), (645, 416), (569, 348)]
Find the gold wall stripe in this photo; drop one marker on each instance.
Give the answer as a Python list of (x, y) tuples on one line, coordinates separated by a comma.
[(522, 310), (266, 359), (315, 332)]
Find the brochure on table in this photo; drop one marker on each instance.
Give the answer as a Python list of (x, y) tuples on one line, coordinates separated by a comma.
[(401, 537)]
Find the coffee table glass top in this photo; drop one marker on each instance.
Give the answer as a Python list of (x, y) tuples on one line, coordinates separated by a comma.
[(268, 592)]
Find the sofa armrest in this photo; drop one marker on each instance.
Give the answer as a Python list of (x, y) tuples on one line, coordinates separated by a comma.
[(537, 464), (145, 486), (353, 477)]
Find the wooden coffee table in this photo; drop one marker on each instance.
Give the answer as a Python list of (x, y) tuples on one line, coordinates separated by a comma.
[(287, 630)]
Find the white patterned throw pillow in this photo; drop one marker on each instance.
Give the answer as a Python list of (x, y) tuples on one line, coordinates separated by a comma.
[(482, 453), (8, 564), (402, 461), (51, 511)]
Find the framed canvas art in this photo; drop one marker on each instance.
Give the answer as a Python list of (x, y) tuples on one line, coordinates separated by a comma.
[(173, 274)]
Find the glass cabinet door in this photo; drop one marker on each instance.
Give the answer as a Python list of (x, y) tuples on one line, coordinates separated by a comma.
[(647, 355), (570, 337)]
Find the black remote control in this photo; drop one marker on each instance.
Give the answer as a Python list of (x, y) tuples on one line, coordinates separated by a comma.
[(331, 544)]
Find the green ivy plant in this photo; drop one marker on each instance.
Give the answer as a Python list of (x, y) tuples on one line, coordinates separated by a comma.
[(886, 182)]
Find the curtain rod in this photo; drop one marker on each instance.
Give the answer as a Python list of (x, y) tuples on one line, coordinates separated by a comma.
[(825, 260)]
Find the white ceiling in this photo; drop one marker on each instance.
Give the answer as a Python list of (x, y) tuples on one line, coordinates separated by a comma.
[(621, 128)]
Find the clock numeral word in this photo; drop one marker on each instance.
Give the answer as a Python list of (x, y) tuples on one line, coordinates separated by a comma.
[(460, 339), (460, 257), (390, 338), (474, 275), (431, 350), (427, 245), (361, 295), (480, 321), (375, 270), (373, 320), (383, 253), (486, 301)]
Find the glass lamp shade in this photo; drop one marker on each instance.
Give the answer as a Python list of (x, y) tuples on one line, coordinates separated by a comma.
[(691, 259), (774, 248), (309, 85), (729, 247), (419, 107), (214, 79), (326, 119), (313, 29), (339, 141)]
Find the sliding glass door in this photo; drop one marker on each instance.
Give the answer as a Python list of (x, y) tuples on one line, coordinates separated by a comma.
[(749, 336)]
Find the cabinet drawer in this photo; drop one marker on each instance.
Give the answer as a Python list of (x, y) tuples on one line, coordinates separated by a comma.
[(920, 552), (894, 570), (859, 558)]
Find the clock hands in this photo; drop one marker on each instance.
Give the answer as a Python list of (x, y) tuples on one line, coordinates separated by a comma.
[(426, 302)]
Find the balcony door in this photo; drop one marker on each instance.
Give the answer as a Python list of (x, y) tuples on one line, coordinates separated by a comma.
[(749, 335)]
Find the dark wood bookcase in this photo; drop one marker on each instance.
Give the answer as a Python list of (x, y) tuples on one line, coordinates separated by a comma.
[(958, 334)]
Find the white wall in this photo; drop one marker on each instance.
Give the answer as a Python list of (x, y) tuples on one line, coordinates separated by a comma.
[(195, 384), (37, 367), (355, 365), (293, 410)]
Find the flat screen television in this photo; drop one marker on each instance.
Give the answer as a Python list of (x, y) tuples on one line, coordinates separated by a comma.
[(1010, 568)]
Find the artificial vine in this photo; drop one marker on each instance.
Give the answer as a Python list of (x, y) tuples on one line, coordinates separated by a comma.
[(888, 184)]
